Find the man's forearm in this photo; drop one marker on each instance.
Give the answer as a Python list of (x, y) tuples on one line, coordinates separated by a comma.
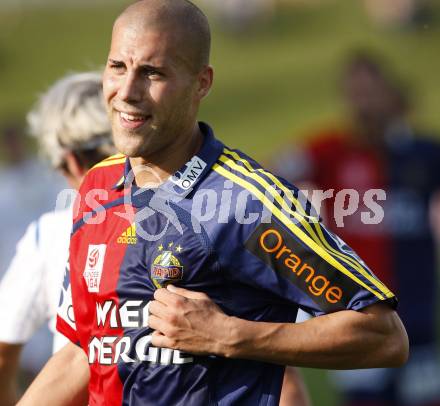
[(341, 340), (192, 322), (62, 382), (9, 360)]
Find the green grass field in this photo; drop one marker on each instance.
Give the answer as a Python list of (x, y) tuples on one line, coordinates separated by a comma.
[(275, 82)]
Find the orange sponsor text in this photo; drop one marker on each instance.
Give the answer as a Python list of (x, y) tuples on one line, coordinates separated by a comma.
[(272, 242)]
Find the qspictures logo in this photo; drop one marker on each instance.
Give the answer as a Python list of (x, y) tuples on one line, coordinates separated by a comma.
[(320, 281)]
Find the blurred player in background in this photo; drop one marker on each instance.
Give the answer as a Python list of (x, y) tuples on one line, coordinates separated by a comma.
[(27, 202), (379, 150), (73, 130)]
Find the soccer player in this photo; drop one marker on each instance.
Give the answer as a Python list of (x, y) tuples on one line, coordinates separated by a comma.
[(188, 266), (73, 130)]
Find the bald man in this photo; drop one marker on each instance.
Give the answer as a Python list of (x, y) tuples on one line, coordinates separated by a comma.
[(183, 300)]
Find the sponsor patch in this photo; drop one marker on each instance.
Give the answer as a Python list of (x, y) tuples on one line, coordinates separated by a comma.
[(329, 288), (194, 169), (94, 266)]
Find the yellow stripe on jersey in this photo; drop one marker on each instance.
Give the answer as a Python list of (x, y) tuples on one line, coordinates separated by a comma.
[(267, 187), (283, 204), (300, 213), (115, 156), (302, 217), (292, 227), (274, 179), (115, 161), (358, 266)]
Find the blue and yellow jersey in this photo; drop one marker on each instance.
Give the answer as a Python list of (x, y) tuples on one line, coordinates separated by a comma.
[(222, 225)]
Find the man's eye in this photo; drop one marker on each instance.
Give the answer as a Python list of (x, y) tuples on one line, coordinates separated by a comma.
[(117, 67), (152, 73)]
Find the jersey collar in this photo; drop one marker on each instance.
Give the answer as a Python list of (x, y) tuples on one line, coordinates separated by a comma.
[(184, 181)]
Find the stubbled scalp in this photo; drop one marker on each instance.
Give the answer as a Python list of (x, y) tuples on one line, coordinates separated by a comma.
[(182, 17)]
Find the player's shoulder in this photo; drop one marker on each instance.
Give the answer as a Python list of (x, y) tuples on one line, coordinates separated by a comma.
[(50, 224), (256, 193), (100, 185), (109, 162), (55, 216), (45, 227), (55, 220), (245, 173), (105, 174)]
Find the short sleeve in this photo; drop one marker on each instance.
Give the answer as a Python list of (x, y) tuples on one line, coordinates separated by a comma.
[(65, 316), (281, 246), (311, 267), (23, 308)]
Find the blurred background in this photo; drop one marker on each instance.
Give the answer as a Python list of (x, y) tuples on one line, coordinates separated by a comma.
[(278, 67)]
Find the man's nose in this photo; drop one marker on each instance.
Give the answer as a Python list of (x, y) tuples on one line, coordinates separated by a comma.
[(132, 88)]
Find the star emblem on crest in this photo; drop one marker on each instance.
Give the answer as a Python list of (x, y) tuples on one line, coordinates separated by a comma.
[(170, 247), (166, 267)]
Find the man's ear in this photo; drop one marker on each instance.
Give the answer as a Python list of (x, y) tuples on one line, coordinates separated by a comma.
[(74, 167), (206, 77)]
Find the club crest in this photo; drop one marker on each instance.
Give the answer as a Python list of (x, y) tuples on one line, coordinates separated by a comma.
[(166, 267)]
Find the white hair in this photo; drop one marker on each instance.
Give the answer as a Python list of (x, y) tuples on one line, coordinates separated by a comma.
[(71, 116)]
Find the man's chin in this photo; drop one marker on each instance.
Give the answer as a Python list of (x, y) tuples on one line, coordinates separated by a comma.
[(129, 148), (131, 152)]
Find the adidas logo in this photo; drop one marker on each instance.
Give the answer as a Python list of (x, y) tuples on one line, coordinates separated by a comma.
[(128, 236)]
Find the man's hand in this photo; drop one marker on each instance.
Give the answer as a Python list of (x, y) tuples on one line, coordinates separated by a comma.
[(188, 321)]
